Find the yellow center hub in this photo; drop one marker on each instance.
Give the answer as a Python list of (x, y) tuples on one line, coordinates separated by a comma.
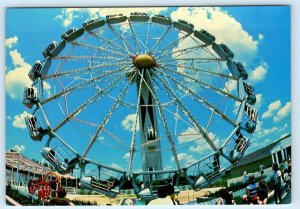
[(144, 61)]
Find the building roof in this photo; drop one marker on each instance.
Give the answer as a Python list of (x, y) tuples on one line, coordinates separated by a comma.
[(18, 161), (259, 154), (22, 163)]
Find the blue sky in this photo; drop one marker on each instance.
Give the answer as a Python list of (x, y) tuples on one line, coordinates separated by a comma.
[(259, 37)]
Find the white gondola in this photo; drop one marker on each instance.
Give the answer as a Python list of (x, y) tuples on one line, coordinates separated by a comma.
[(205, 171), (147, 190), (36, 70), (251, 96), (115, 19), (184, 26), (101, 178), (235, 146), (139, 17), (161, 19), (249, 120), (241, 145), (223, 51), (93, 24), (204, 36), (54, 49), (237, 69), (30, 96), (60, 157), (72, 34), (36, 131), (39, 69)]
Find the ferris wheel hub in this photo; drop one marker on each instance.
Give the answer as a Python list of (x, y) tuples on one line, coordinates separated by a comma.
[(144, 61)]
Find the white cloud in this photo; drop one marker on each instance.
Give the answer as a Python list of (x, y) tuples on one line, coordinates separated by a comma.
[(230, 86), (9, 42), (8, 117), (126, 156), (261, 36), (117, 166), (283, 112), (259, 73), (68, 15), (284, 127), (191, 134), (265, 132), (259, 101), (202, 145), (224, 27), (47, 88), (17, 59), (18, 148), (272, 108), (188, 135), (258, 143), (100, 138), (185, 158), (129, 121), (19, 120), (17, 79)]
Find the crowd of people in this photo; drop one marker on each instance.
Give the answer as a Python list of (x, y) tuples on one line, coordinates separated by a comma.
[(258, 192)]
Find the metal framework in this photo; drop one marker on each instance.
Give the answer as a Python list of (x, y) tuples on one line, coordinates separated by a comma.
[(177, 85)]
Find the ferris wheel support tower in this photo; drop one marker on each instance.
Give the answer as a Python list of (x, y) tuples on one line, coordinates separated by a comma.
[(151, 154)]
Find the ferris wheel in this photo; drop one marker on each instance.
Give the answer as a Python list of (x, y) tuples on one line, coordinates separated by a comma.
[(140, 97)]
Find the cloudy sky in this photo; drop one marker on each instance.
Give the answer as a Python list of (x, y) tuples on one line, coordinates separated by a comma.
[(258, 36)]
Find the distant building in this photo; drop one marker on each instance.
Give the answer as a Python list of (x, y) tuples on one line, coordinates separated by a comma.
[(278, 152), (20, 169)]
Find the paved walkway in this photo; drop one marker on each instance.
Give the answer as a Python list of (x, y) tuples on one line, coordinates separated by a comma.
[(286, 198)]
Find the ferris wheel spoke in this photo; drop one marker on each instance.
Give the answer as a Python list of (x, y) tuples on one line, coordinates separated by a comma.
[(196, 59), (97, 48), (105, 120), (112, 44), (177, 41), (124, 41), (191, 117), (104, 130), (84, 57), (143, 44), (160, 39), (135, 37), (85, 69), (201, 70), (203, 101), (204, 84), (70, 89), (85, 104), (147, 36), (133, 138), (179, 52)]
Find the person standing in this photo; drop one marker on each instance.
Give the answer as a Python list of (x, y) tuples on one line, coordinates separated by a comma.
[(225, 197), (252, 196), (245, 177), (262, 192), (261, 169), (287, 180), (277, 183)]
